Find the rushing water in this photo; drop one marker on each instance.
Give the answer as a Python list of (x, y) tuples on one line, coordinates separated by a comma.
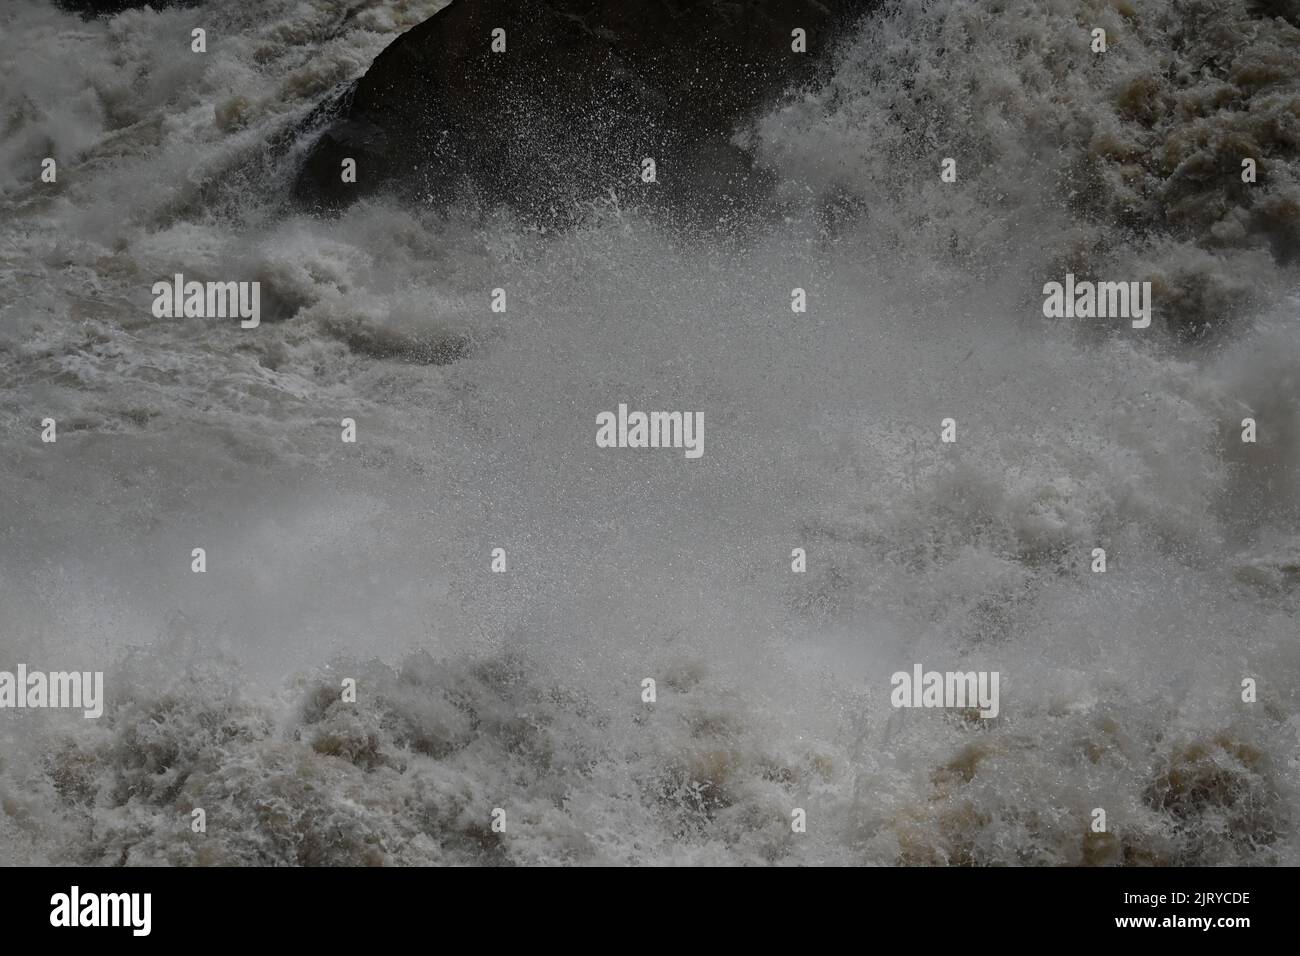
[(523, 690)]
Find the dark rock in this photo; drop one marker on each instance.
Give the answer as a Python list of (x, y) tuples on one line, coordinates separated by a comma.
[(583, 92), (1288, 10)]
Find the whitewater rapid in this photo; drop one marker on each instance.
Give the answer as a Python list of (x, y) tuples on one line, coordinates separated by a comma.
[(477, 431)]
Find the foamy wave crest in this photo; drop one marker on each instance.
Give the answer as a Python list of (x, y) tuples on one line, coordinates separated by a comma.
[(409, 773), (1068, 160)]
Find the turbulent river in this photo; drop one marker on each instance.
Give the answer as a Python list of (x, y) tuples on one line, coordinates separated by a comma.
[(476, 430)]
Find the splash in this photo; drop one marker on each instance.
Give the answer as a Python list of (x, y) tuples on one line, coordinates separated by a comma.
[(522, 690)]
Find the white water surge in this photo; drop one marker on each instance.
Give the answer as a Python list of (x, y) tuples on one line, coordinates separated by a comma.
[(522, 690)]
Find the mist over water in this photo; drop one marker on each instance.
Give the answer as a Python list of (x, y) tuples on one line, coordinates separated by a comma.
[(476, 431)]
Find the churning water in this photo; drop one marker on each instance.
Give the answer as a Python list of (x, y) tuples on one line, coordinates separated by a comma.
[(476, 431)]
